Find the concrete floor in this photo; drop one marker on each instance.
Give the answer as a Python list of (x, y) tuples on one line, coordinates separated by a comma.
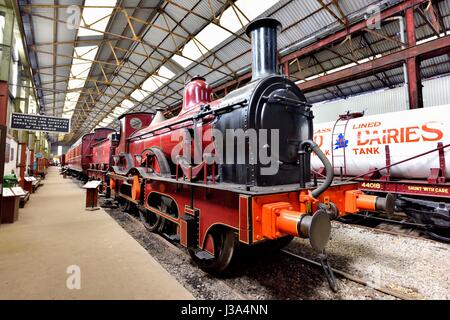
[(54, 232)]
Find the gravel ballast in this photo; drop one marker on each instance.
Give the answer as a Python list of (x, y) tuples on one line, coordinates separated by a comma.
[(419, 268)]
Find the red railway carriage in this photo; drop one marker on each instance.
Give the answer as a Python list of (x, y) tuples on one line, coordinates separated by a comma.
[(103, 150), (79, 156), (188, 190)]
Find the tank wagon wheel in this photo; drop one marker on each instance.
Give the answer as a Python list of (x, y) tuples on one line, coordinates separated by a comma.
[(225, 244), (442, 235)]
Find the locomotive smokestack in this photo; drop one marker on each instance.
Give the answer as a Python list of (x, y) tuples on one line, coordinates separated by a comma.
[(264, 34)]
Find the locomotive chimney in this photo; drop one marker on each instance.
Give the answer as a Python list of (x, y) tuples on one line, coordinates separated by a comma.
[(264, 34)]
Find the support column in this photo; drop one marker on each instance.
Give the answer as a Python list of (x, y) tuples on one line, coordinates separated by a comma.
[(413, 65), (3, 132), (286, 69), (8, 33)]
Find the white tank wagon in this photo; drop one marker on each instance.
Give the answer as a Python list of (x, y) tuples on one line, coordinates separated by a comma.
[(412, 144), (356, 146)]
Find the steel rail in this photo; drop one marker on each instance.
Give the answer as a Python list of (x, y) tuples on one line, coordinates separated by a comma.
[(380, 288)]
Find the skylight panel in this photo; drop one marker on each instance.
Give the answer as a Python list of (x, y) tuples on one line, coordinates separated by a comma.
[(119, 111), (182, 61), (104, 123), (72, 96), (153, 83), (150, 85), (212, 35), (88, 52), (96, 18), (68, 114), (231, 21), (76, 84), (251, 10), (110, 118), (138, 95), (82, 61), (192, 50), (166, 73), (79, 71), (127, 104)]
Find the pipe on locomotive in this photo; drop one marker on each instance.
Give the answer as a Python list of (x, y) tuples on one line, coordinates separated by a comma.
[(328, 167)]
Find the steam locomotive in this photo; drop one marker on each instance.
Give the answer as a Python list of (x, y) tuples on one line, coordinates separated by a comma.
[(229, 172)]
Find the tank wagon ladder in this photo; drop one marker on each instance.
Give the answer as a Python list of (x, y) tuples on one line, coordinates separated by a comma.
[(341, 144), (339, 151)]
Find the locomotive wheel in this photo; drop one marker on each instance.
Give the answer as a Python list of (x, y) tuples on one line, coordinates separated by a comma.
[(225, 244), (151, 221)]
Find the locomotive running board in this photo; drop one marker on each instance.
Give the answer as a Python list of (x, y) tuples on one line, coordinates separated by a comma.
[(223, 186)]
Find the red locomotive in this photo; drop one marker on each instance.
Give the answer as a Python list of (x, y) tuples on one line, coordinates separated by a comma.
[(230, 172), (212, 205)]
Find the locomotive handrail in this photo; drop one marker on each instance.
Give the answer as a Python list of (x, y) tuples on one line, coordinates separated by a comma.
[(291, 103), (195, 117), (397, 163), (278, 98)]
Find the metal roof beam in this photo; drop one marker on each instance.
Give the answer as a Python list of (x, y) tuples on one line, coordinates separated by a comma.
[(423, 51)]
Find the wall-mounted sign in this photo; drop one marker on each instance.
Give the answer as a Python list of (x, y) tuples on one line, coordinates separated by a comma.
[(38, 155), (32, 122)]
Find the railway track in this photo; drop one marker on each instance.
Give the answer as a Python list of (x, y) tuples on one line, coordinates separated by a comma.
[(411, 229), (238, 292), (343, 274)]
